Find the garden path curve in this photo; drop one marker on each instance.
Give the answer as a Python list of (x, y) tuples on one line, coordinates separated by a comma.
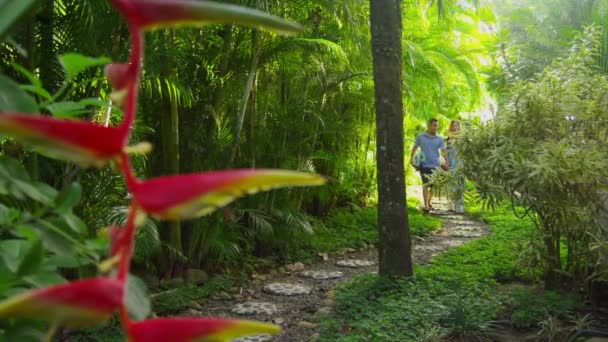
[(296, 296)]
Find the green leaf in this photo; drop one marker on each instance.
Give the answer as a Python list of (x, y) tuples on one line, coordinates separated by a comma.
[(13, 98), (74, 223), (12, 252), (11, 11), (67, 109), (92, 101), (39, 192), (34, 80), (54, 239), (138, 303), (61, 261), (68, 198), (11, 168), (38, 91), (74, 63), (32, 260), (45, 279)]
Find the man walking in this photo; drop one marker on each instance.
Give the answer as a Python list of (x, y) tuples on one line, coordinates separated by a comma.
[(429, 143)]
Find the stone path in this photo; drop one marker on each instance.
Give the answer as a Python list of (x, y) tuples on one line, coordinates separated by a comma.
[(295, 298)]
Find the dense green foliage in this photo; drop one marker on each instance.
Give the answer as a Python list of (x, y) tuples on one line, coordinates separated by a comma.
[(454, 296), (243, 98), (546, 151)]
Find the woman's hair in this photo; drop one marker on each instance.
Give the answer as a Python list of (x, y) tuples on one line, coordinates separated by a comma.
[(452, 124)]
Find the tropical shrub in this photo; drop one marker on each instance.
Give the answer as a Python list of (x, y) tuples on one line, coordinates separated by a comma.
[(92, 301), (546, 152)]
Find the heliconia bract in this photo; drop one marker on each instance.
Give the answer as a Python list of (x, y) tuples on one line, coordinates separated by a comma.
[(83, 303), (194, 195), (196, 329)]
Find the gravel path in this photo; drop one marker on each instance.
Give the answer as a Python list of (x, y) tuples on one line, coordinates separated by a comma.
[(306, 291)]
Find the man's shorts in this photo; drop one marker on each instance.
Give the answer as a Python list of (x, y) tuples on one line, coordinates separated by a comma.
[(425, 172)]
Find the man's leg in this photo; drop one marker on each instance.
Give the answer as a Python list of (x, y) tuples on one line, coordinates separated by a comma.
[(425, 196), (430, 204)]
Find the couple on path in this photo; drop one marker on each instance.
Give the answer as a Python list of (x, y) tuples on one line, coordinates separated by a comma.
[(428, 160)]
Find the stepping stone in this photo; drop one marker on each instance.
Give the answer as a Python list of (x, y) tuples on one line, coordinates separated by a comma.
[(321, 275), (468, 233), (467, 223), (453, 243), (255, 308), (285, 289), (254, 338), (354, 263), (428, 248), (453, 217)]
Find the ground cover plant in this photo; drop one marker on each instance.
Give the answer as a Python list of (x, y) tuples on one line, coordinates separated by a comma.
[(457, 295)]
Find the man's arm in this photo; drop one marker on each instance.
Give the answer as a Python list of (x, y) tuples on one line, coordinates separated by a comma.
[(414, 149), (444, 152)]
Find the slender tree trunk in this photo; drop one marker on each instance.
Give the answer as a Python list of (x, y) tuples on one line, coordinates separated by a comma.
[(47, 46), (170, 153), (255, 59), (394, 251)]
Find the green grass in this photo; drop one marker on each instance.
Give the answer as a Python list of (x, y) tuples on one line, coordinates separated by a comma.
[(359, 228), (175, 301), (454, 296), (527, 307)]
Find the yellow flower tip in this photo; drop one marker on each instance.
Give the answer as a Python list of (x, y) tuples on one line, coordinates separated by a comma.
[(109, 264), (103, 233), (140, 218), (141, 148), (242, 328), (118, 97)]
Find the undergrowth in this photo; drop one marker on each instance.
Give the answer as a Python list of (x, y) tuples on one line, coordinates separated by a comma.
[(358, 228), (454, 296)]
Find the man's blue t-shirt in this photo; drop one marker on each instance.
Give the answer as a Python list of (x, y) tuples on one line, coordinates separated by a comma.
[(430, 146)]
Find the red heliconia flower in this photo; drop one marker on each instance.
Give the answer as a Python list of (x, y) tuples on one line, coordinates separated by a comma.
[(194, 195), (117, 75), (118, 239), (196, 329), (148, 14), (77, 304), (82, 142)]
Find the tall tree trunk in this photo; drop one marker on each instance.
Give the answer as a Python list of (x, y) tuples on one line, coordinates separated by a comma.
[(395, 249), (47, 46), (170, 153), (256, 51)]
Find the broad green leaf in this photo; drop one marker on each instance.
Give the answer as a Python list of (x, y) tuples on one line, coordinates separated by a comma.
[(39, 192), (34, 80), (6, 280), (66, 109), (74, 223), (138, 303), (61, 261), (45, 279), (12, 252), (54, 239), (74, 63), (3, 190), (92, 101), (11, 11), (32, 261), (38, 91), (26, 231), (68, 198), (11, 168), (13, 98)]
